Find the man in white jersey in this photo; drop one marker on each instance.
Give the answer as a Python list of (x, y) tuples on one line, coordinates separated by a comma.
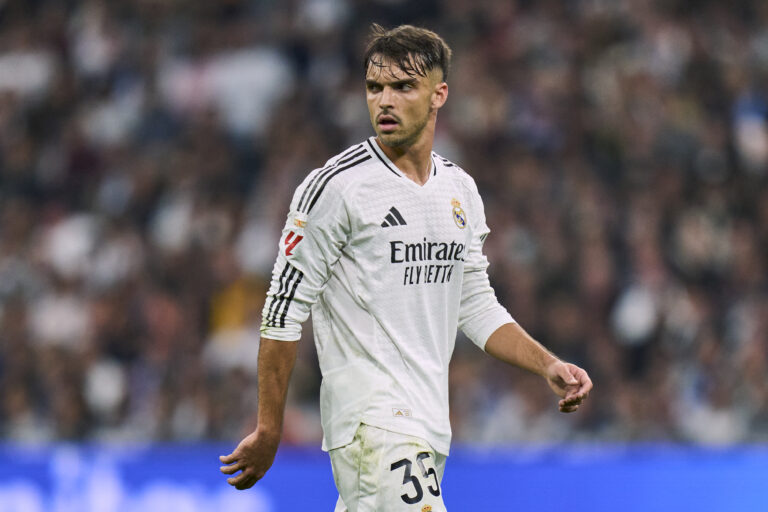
[(383, 245)]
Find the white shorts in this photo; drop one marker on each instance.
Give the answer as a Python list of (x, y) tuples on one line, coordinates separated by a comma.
[(383, 471)]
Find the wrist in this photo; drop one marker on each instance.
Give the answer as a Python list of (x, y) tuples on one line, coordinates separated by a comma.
[(548, 364), (268, 433)]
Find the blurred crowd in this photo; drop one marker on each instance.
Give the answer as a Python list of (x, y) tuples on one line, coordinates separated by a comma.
[(149, 149)]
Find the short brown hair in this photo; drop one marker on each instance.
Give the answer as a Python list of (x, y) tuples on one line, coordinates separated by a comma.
[(415, 50)]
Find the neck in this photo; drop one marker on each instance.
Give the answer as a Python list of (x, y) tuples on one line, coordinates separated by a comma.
[(414, 160)]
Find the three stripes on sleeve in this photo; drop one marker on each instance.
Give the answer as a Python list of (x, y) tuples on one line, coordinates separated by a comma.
[(291, 277)]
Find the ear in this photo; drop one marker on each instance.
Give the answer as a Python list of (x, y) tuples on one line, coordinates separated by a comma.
[(439, 95)]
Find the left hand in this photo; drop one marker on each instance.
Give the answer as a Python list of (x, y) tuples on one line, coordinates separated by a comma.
[(570, 383)]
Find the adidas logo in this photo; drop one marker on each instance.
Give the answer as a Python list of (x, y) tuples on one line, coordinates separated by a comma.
[(393, 218)]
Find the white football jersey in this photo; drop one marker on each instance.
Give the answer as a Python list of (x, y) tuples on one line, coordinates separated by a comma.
[(389, 270)]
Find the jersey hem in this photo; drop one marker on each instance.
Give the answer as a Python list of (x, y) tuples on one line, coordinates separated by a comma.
[(440, 446)]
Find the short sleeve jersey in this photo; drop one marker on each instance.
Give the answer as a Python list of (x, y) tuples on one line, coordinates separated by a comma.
[(389, 270)]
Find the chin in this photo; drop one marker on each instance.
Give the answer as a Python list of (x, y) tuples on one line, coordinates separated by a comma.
[(392, 140)]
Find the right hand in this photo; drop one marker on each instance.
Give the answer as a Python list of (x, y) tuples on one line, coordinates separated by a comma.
[(253, 457), (570, 383)]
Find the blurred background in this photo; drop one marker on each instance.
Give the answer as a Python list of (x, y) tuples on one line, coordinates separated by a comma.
[(149, 150)]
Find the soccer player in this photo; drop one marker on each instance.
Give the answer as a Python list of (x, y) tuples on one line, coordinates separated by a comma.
[(383, 245)]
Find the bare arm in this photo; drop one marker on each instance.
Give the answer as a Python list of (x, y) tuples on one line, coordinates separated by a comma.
[(276, 361), (511, 344), (256, 452)]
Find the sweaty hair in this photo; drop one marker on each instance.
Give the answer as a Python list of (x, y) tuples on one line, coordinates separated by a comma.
[(416, 51)]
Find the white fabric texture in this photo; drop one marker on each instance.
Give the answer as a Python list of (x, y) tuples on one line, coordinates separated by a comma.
[(383, 471), (389, 269)]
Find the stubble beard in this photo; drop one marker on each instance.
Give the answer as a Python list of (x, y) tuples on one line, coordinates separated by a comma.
[(400, 140)]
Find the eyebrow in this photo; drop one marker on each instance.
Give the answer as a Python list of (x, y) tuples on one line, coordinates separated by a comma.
[(407, 81)]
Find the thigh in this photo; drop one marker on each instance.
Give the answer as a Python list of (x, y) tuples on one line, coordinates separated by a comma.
[(382, 471)]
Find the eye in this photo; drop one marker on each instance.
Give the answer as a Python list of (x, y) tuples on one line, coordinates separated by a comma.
[(373, 87), (405, 87)]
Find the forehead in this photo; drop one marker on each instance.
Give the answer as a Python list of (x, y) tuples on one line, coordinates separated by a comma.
[(382, 68)]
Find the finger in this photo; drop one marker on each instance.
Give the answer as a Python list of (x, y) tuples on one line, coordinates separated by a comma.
[(585, 383), (231, 470), (575, 395), (237, 481), (574, 398), (581, 393), (570, 401), (228, 459), (565, 373), (246, 484), (567, 402), (571, 408)]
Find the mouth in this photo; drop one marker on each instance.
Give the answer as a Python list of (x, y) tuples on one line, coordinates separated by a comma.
[(387, 122)]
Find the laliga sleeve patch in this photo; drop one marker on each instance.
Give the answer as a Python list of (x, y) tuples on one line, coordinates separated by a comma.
[(291, 241)]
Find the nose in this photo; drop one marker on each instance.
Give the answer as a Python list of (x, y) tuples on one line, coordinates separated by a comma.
[(386, 98)]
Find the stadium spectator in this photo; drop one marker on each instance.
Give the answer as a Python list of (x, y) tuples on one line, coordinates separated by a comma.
[(148, 150)]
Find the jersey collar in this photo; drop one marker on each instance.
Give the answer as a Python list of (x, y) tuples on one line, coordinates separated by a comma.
[(376, 150)]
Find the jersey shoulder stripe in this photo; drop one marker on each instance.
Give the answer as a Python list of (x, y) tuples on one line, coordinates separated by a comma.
[(376, 151), (343, 158), (329, 175), (447, 164), (458, 173), (322, 174)]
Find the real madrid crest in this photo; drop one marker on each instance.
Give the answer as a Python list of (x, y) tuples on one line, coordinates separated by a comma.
[(459, 217)]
